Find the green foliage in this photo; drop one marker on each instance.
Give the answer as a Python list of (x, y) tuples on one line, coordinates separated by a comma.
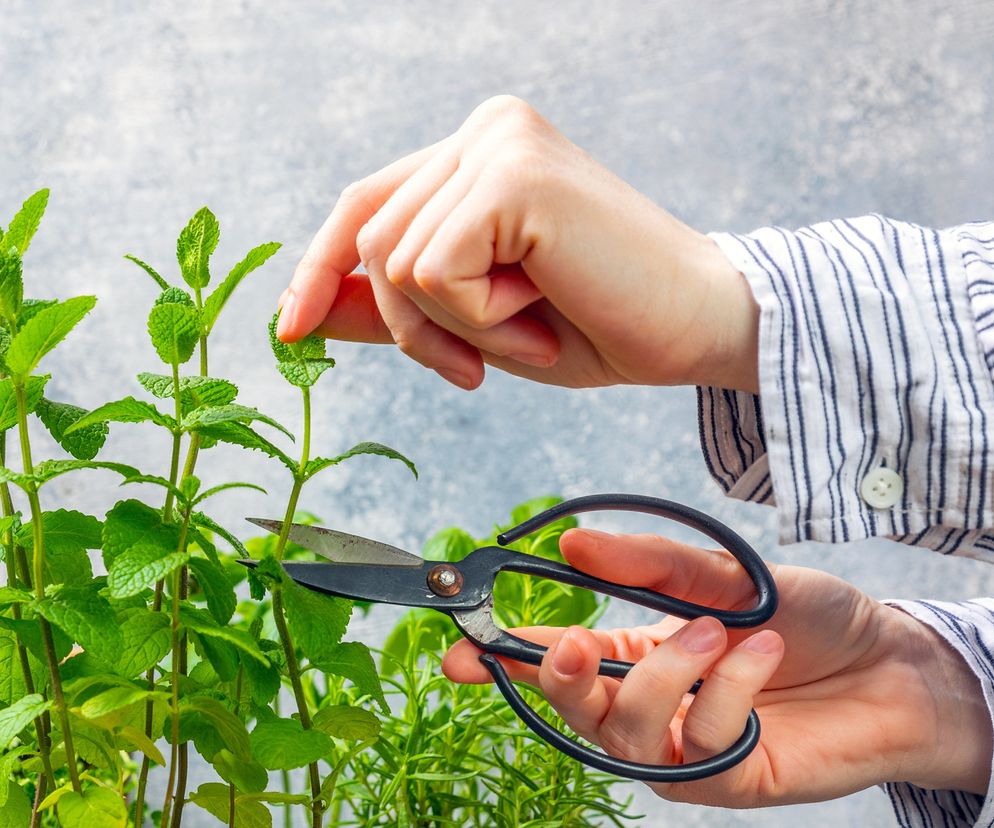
[(194, 247), (60, 419), (174, 328), (254, 259), (25, 223), (283, 744), (301, 363), (43, 332), (321, 463)]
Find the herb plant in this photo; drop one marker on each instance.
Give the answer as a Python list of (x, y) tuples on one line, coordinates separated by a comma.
[(104, 677)]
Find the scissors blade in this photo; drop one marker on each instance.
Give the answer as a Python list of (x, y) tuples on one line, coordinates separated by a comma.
[(340, 547)]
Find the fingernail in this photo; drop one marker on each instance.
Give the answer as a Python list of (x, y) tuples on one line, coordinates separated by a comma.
[(699, 636), (765, 642), (567, 659), (455, 377), (538, 360), (286, 313)]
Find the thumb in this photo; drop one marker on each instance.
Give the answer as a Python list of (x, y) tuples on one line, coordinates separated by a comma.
[(354, 315)]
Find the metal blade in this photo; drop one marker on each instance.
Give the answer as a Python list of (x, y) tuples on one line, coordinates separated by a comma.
[(340, 547)]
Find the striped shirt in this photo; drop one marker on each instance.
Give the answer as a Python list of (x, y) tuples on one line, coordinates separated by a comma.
[(875, 416)]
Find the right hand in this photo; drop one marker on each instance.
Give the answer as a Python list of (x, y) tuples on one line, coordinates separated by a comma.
[(506, 244)]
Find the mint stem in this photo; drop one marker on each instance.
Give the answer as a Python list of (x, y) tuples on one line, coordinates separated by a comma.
[(38, 535)]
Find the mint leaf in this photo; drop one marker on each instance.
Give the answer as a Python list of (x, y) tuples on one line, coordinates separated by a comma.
[(317, 621), (126, 410), (195, 391), (229, 727), (30, 309), (16, 812), (68, 534), (175, 330), (217, 588), (301, 363), (206, 522), (255, 258), (194, 247), (33, 389), (175, 296), (155, 480), (140, 567), (83, 443), (44, 331), (449, 545), (231, 413), (320, 463), (162, 283), (239, 434), (263, 682), (95, 806), (116, 698), (283, 744), (245, 774), (29, 634), (19, 715), (146, 636), (86, 617), (343, 721), (202, 624), (11, 285), (47, 469), (352, 660), (213, 798), (213, 490), (131, 522), (25, 223)]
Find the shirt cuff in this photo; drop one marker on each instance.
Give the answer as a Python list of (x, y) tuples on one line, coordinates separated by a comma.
[(877, 407), (967, 627)]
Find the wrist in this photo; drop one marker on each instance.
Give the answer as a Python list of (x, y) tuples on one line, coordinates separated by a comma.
[(730, 315), (954, 748)]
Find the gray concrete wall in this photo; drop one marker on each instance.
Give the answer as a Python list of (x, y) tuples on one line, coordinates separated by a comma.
[(731, 114)]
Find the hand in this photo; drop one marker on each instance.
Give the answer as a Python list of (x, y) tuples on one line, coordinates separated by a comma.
[(506, 244), (850, 692)]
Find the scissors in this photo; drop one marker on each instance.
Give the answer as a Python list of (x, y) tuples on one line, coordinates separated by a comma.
[(372, 571)]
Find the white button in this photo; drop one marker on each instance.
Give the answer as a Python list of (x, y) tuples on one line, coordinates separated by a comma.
[(882, 488)]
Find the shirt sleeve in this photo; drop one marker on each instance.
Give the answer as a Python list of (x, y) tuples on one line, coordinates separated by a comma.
[(875, 416), (968, 628)]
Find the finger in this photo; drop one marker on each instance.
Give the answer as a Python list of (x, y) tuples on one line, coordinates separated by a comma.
[(569, 680), (354, 316), (332, 253), (462, 661), (637, 726), (703, 576), (455, 266), (718, 713)]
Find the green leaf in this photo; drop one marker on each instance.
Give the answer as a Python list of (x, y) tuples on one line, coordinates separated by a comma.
[(47, 469), (131, 522), (263, 682), (451, 544), (189, 486), (82, 443), (175, 296), (155, 480), (33, 389), (8, 763), (162, 283), (317, 622), (283, 744), (239, 434), (229, 727), (205, 522), (203, 625), (217, 588), (352, 660), (95, 807), (146, 637), (25, 223), (213, 490), (19, 715), (194, 247), (319, 463), (16, 811), (195, 391), (11, 595), (30, 308), (213, 798), (115, 699), (11, 285), (140, 567), (86, 617), (245, 774), (233, 412), (44, 331), (301, 363), (139, 740), (68, 534), (126, 410), (175, 331), (343, 721), (29, 634), (255, 258)]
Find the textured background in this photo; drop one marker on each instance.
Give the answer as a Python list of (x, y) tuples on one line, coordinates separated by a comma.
[(731, 114)]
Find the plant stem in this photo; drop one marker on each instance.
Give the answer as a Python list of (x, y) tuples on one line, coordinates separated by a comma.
[(38, 535), (174, 702), (42, 723), (149, 713)]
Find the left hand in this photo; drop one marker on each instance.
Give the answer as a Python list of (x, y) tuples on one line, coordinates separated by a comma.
[(850, 692)]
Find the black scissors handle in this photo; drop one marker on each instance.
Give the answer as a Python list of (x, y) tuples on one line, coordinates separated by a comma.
[(502, 643)]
